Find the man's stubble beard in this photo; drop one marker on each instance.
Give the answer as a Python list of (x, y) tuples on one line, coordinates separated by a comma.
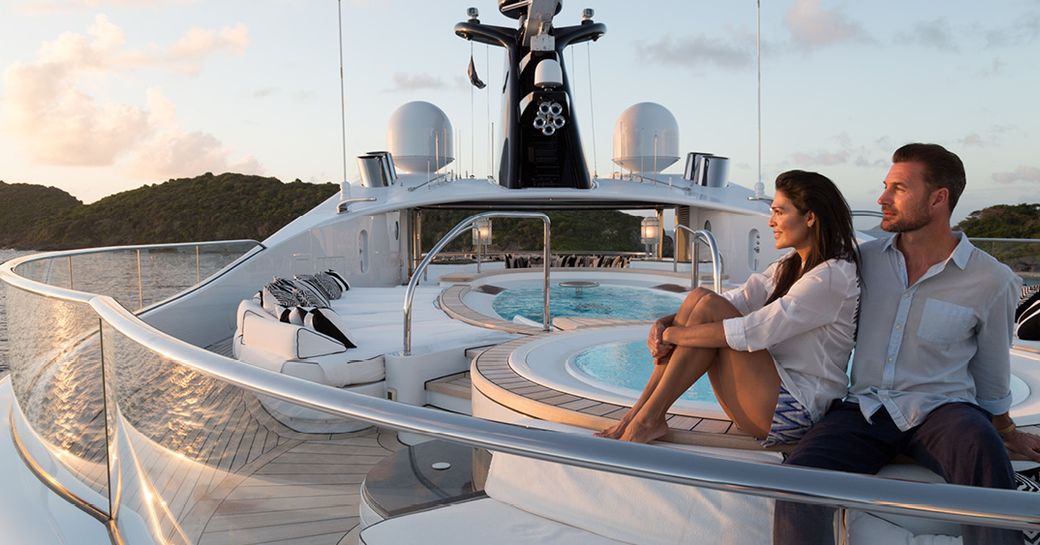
[(917, 220)]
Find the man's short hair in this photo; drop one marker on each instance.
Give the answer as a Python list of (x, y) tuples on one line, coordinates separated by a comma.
[(942, 167)]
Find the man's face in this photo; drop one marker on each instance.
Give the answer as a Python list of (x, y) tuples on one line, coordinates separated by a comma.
[(906, 200)]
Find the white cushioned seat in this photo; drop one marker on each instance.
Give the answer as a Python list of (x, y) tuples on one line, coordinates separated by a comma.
[(373, 320)]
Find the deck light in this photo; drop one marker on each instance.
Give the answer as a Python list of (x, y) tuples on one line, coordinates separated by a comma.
[(481, 237), (650, 232)]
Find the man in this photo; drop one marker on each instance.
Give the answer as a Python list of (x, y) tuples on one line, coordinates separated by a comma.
[(931, 365)]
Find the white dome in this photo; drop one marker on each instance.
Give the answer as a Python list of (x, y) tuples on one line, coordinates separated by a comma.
[(419, 136), (646, 138)]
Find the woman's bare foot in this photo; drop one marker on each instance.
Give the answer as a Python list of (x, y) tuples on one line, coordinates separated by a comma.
[(640, 431), (615, 431)]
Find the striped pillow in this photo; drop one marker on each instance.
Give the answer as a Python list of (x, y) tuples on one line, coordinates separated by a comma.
[(337, 278), (309, 294), (1027, 316)]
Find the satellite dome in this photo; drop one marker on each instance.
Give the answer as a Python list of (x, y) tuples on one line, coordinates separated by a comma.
[(646, 138), (419, 136)]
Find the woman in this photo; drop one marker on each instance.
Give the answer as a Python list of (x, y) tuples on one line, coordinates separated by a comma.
[(777, 349)]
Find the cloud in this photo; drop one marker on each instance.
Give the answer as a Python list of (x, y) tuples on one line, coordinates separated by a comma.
[(936, 34), (973, 139), (1024, 30), (813, 27), (821, 158), (414, 82), (40, 7), (1020, 174), (698, 50), (59, 123)]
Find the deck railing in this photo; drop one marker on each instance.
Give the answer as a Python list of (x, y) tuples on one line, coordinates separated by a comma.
[(716, 258), (459, 229), (123, 415)]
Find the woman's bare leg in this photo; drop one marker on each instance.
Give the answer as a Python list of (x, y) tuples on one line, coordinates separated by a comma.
[(745, 383), (682, 317), (617, 429)]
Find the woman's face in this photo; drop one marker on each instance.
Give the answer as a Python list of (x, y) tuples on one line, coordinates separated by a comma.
[(791, 228)]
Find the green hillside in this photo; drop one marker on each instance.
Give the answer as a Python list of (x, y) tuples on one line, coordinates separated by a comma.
[(206, 207), (231, 206), (572, 230), (1004, 221), (23, 206)]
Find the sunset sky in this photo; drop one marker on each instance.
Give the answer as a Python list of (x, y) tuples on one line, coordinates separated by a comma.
[(101, 96)]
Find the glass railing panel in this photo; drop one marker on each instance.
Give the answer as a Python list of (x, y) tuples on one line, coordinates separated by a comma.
[(54, 271), (1022, 255), (204, 461), (54, 354)]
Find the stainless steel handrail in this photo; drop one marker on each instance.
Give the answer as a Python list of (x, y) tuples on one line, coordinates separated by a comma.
[(867, 214), (1011, 240), (103, 249), (460, 228), (954, 503), (716, 257)]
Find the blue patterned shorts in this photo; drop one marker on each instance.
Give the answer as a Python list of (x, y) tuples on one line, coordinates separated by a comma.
[(790, 420)]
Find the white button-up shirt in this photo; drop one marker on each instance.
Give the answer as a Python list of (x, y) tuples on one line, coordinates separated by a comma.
[(944, 339), (809, 331)]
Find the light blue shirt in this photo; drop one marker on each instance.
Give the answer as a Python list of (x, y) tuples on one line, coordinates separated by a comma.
[(944, 339)]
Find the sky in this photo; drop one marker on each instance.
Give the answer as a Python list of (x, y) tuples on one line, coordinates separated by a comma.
[(103, 96)]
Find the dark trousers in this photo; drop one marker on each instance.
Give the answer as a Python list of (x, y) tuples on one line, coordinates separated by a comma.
[(957, 441)]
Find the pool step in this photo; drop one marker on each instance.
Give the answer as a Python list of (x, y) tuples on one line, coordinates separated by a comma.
[(451, 393)]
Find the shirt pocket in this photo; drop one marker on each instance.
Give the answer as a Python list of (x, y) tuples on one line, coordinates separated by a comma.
[(943, 322)]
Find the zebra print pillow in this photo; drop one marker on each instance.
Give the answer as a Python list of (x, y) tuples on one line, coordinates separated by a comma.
[(1027, 316), (309, 294)]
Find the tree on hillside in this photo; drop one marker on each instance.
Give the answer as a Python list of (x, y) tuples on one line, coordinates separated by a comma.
[(1004, 221)]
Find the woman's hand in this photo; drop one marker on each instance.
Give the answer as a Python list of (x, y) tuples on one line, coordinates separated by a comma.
[(659, 349)]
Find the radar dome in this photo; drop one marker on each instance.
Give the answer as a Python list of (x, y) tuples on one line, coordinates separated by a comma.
[(420, 138), (646, 138)]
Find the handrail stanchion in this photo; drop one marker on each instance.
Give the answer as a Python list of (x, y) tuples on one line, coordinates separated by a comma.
[(461, 227), (546, 255), (140, 283), (716, 258)]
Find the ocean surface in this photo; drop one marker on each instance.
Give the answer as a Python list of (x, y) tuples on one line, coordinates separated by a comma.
[(4, 256)]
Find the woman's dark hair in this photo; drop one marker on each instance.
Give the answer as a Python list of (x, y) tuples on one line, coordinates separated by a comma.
[(832, 233)]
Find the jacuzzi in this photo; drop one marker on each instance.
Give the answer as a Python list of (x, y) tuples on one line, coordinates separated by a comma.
[(555, 362)]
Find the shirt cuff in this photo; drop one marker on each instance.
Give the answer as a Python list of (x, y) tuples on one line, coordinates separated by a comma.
[(736, 334), (996, 406)]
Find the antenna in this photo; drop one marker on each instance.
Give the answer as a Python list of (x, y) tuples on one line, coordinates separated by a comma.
[(760, 187), (344, 185)]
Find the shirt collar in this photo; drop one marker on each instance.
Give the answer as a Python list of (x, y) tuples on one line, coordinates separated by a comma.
[(960, 255)]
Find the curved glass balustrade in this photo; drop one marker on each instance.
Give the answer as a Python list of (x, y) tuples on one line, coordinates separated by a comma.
[(176, 444)]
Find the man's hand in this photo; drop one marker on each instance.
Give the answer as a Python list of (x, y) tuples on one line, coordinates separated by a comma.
[(1025, 444), (659, 349)]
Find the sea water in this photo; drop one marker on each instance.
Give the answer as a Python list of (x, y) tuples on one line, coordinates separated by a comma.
[(4, 256)]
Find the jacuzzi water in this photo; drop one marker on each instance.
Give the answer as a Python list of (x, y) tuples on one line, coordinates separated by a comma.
[(628, 365), (616, 302)]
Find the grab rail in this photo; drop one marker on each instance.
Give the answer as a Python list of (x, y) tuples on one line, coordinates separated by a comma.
[(716, 257), (460, 228), (867, 214), (954, 503)]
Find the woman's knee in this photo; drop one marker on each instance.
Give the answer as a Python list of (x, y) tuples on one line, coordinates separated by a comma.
[(713, 308)]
